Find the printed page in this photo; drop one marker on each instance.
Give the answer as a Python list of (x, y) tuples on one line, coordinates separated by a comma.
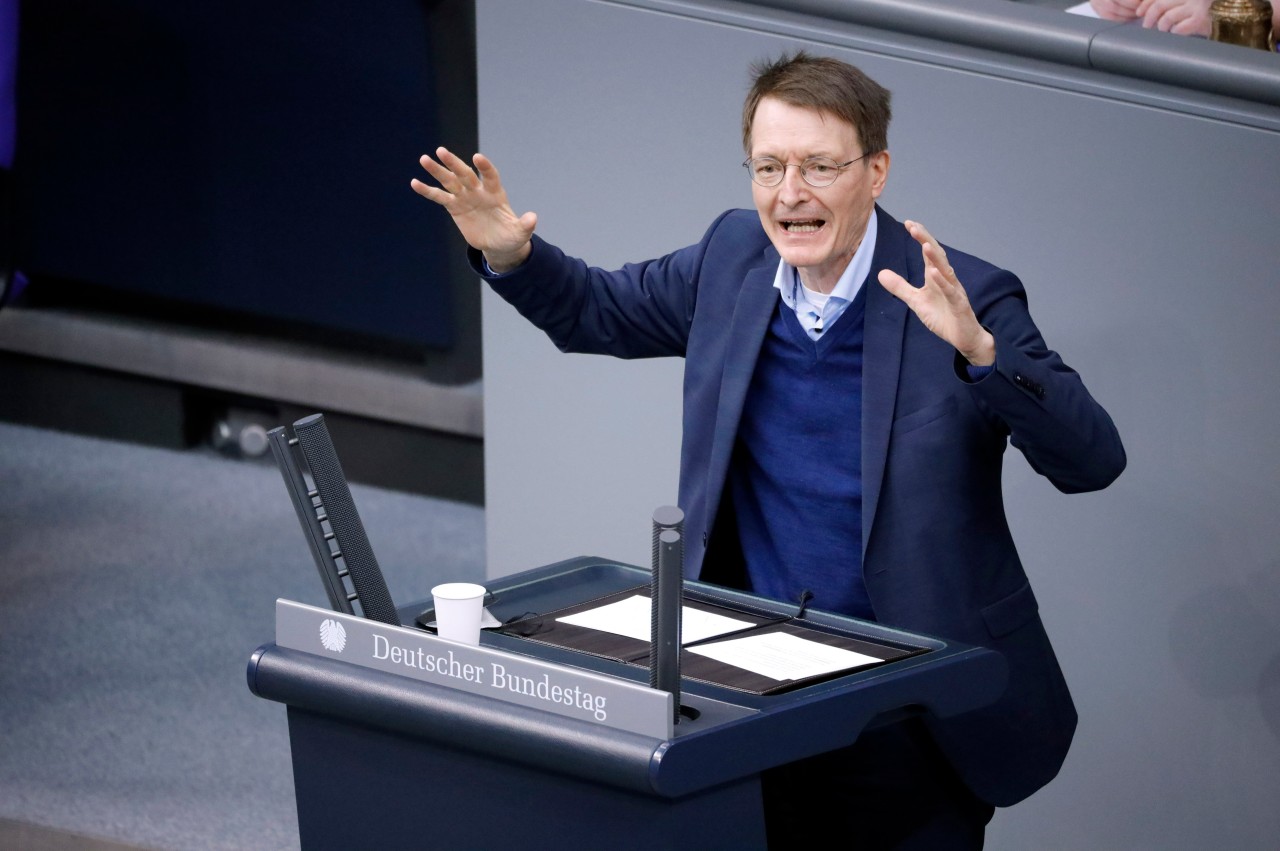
[(633, 618), (782, 656)]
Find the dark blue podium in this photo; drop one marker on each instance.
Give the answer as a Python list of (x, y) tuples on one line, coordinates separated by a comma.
[(412, 744)]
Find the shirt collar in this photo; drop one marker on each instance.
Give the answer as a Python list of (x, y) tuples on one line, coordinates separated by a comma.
[(787, 281)]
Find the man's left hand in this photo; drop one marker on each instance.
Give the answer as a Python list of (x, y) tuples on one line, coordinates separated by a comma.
[(941, 302)]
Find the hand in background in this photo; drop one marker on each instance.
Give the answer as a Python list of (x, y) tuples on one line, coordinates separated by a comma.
[(1181, 17), (479, 207), (1116, 10), (941, 302)]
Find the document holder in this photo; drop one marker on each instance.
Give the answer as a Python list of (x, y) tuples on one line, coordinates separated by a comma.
[(547, 628)]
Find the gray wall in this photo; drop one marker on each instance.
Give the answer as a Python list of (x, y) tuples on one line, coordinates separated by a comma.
[(1144, 221)]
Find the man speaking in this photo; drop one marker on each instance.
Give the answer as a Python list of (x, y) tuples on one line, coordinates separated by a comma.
[(850, 388)]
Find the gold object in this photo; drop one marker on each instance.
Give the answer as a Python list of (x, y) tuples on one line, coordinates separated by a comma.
[(1243, 22)]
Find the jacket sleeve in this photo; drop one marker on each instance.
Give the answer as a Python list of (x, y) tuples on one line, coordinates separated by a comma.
[(641, 310), (1050, 416)]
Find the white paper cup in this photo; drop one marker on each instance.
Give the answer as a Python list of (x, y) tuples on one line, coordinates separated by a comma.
[(459, 606)]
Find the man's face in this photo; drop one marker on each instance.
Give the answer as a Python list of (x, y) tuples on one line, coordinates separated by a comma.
[(816, 229)]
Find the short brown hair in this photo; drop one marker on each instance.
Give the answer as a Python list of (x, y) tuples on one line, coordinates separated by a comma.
[(825, 85)]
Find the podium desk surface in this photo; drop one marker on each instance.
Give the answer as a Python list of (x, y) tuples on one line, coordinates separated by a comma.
[(733, 733)]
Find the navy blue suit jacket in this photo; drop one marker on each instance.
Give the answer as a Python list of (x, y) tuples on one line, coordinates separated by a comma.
[(938, 555)]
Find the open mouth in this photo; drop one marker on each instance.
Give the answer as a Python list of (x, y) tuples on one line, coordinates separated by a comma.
[(805, 226)]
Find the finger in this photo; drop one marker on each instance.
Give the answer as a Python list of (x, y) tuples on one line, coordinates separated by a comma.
[(937, 271), (1161, 17), (441, 173), (936, 257), (921, 235), (529, 221), (897, 285), (458, 167), (431, 193), (918, 232), (1184, 22), (421, 188), (941, 274), (486, 169), (1190, 24)]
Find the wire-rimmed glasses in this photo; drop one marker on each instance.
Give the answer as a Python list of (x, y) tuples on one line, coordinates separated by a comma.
[(816, 171)]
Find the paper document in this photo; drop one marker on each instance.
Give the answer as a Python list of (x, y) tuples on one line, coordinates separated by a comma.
[(782, 656), (632, 617), (778, 655), (1083, 9)]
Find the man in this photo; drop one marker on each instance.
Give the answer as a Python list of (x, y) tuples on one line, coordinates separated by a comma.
[(842, 436)]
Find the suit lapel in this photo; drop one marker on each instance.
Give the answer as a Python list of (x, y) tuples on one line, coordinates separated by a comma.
[(757, 301), (883, 330)]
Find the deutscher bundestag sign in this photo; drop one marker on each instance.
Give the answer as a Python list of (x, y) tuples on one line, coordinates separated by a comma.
[(573, 693)]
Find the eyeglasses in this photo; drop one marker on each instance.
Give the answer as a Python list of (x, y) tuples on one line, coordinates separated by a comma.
[(816, 171)]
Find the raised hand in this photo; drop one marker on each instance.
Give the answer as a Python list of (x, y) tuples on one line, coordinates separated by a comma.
[(941, 302), (479, 207)]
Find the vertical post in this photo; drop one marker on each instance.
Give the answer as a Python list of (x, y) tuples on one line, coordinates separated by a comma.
[(666, 599)]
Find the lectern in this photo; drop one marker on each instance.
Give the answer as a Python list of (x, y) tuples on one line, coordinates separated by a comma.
[(403, 739)]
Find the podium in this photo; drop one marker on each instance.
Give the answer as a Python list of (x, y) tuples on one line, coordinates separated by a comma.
[(402, 739)]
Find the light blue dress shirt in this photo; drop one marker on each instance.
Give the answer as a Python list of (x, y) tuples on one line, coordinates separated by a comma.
[(817, 313), (814, 312)]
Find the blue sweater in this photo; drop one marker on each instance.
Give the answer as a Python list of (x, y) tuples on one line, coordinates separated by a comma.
[(796, 476)]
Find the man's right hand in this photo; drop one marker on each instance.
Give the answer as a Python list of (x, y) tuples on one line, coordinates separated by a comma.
[(478, 203)]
